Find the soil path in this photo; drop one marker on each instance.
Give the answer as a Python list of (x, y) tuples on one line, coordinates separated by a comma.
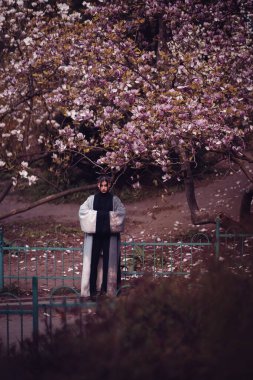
[(156, 217)]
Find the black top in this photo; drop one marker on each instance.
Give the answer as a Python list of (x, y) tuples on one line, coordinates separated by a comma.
[(103, 203)]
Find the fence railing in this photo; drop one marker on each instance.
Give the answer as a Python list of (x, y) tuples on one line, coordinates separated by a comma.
[(62, 266), (231, 241), (22, 319), (164, 258), (56, 271), (53, 266)]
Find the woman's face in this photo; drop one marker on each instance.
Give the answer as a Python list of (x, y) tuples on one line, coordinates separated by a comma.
[(104, 187)]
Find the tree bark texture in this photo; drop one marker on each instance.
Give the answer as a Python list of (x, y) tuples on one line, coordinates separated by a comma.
[(197, 216)]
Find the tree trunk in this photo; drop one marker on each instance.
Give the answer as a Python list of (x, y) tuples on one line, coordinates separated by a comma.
[(197, 216), (246, 217), (190, 189), (161, 43)]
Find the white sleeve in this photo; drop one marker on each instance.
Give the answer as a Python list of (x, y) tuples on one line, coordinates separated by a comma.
[(117, 216), (88, 216)]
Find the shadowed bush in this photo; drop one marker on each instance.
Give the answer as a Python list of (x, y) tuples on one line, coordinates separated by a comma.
[(172, 328)]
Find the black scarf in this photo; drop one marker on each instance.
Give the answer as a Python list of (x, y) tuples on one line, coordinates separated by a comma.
[(103, 203)]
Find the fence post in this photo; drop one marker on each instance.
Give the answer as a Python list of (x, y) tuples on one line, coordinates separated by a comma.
[(1, 258), (35, 309), (217, 237)]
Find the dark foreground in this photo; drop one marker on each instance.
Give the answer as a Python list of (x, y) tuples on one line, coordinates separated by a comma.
[(172, 328)]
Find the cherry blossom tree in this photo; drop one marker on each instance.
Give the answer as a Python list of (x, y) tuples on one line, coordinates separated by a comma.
[(136, 83)]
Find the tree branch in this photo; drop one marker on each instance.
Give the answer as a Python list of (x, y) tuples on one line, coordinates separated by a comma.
[(47, 199), (21, 101)]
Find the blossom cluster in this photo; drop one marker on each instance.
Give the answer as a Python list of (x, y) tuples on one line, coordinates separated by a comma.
[(149, 80)]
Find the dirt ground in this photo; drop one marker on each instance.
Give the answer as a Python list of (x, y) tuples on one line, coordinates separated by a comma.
[(153, 218)]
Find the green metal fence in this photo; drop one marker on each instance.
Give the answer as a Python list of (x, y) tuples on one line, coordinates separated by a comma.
[(14, 327), (53, 266), (231, 242), (57, 271), (163, 258), (62, 266), (22, 319)]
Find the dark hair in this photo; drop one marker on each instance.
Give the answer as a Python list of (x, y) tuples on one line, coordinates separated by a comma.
[(103, 178)]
